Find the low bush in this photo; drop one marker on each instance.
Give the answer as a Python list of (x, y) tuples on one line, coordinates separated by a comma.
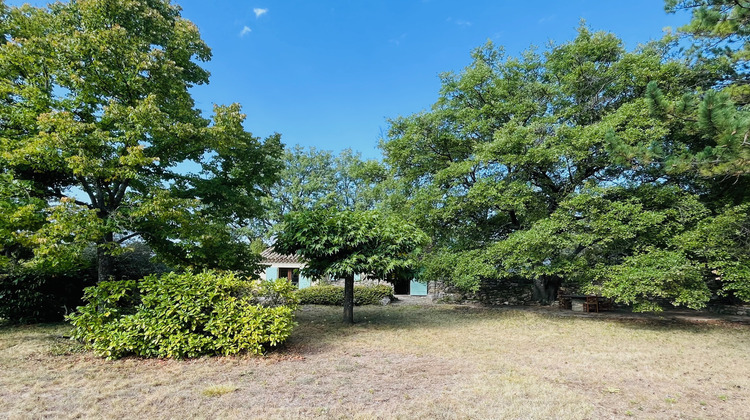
[(31, 296), (372, 295), (334, 295), (185, 315), (321, 295)]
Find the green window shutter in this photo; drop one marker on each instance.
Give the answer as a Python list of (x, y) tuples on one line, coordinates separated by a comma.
[(417, 288), (272, 273), (357, 277), (304, 282)]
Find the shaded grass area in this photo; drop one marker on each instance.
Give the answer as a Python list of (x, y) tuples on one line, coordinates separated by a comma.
[(439, 362)]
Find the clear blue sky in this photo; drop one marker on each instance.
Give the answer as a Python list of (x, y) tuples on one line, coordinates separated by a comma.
[(329, 73)]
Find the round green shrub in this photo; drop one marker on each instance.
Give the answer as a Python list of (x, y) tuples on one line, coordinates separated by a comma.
[(185, 315), (334, 295)]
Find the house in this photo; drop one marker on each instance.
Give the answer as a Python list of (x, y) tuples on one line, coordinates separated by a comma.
[(284, 266), (289, 266)]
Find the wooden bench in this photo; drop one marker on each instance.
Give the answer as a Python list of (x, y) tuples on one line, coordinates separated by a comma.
[(586, 303)]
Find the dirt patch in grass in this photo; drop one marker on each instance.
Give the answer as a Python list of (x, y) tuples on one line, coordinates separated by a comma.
[(439, 362)]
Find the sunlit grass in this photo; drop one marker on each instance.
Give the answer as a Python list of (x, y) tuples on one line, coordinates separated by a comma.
[(218, 390)]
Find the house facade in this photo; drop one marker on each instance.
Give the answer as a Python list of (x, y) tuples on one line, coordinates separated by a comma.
[(290, 267), (284, 266)]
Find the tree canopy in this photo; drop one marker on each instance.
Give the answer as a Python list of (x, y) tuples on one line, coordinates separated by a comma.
[(341, 244), (583, 164), (97, 128), (563, 167), (313, 179)]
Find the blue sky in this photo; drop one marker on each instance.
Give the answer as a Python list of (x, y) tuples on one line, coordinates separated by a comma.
[(329, 73)]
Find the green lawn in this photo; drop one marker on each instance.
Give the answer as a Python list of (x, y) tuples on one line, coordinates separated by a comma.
[(402, 362)]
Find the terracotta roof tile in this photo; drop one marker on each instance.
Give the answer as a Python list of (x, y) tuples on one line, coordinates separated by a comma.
[(270, 256)]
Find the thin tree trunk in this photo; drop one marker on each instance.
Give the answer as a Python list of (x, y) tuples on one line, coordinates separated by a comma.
[(349, 299), (104, 263)]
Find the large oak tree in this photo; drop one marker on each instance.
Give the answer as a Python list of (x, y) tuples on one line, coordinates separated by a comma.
[(558, 167), (97, 122)]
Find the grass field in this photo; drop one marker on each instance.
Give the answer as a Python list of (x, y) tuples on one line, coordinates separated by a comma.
[(440, 362)]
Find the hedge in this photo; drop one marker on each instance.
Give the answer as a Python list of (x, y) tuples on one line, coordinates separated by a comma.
[(46, 294), (334, 295)]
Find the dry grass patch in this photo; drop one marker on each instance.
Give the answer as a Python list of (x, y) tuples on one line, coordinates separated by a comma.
[(439, 362)]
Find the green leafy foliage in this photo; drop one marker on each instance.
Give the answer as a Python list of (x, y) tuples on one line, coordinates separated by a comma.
[(46, 293), (644, 278), (721, 245), (512, 144), (597, 228), (720, 26), (372, 295), (96, 120), (623, 171), (706, 114), (585, 164), (334, 295), (341, 244), (30, 295), (317, 179), (185, 315), (713, 142), (463, 269)]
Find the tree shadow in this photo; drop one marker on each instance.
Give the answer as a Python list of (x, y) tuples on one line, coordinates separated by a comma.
[(669, 319), (320, 327)]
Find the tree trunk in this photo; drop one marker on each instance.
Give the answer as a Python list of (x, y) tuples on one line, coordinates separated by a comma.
[(349, 299), (545, 289), (104, 263)]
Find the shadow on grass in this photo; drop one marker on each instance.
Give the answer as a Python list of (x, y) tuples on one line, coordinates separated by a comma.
[(670, 322), (686, 320), (321, 326), (15, 327)]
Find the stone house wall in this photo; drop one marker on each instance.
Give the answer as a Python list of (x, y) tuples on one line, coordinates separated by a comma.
[(359, 280), (741, 310)]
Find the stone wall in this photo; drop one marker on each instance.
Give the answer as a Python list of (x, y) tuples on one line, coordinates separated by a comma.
[(498, 292), (742, 310), (505, 292), (442, 293), (364, 281), (491, 292)]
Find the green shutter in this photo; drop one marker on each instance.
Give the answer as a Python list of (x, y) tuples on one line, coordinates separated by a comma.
[(357, 277), (304, 282), (272, 273), (417, 288)]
